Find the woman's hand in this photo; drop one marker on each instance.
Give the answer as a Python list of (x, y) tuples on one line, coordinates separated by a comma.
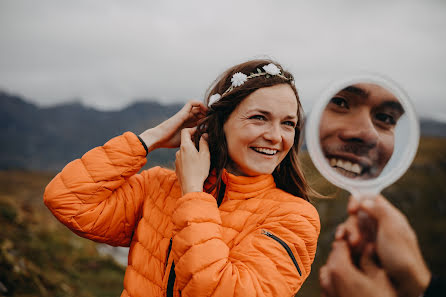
[(192, 166), (168, 133)]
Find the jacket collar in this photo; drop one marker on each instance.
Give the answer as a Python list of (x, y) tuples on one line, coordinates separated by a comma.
[(245, 187)]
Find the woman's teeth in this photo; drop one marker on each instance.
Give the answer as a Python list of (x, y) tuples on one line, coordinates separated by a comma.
[(265, 151), (346, 165)]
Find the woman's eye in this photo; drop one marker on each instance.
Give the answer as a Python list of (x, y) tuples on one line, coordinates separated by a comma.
[(258, 117), (339, 101), (385, 119), (290, 123)]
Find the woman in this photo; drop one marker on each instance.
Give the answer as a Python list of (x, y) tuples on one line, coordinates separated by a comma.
[(229, 221)]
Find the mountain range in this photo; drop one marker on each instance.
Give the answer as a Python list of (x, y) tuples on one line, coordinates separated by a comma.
[(47, 138)]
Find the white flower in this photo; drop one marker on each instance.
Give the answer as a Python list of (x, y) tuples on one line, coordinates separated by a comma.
[(271, 69), (214, 98), (238, 79)]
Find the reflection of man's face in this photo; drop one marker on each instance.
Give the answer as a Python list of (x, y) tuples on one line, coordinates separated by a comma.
[(357, 130)]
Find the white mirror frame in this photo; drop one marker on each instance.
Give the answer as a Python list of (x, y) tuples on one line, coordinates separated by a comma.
[(371, 187)]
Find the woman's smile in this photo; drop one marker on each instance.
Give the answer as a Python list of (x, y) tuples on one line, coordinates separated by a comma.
[(265, 151)]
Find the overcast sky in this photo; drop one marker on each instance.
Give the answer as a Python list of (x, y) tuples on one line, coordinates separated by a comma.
[(109, 53)]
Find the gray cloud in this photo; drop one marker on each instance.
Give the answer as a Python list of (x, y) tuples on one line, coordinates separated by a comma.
[(111, 52)]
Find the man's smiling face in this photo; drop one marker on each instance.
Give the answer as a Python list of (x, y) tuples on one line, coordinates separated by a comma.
[(357, 130)]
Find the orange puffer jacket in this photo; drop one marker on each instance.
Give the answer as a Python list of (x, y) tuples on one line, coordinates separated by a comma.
[(260, 241)]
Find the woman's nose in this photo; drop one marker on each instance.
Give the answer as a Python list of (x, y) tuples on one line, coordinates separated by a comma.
[(273, 133), (360, 130)]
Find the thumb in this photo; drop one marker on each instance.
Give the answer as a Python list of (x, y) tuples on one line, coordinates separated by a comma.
[(378, 208), (186, 136)]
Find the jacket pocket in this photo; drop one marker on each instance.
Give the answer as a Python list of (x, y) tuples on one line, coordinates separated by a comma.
[(285, 246)]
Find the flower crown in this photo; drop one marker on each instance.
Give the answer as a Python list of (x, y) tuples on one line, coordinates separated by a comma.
[(239, 79)]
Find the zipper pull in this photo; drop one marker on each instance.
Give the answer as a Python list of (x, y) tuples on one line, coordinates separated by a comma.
[(264, 232)]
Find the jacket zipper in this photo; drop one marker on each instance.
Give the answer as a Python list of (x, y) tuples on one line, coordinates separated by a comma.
[(171, 281), (172, 276), (285, 246), (168, 253)]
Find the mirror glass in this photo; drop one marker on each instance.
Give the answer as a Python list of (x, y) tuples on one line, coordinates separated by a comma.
[(363, 134)]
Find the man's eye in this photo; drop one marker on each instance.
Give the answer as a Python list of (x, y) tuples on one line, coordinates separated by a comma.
[(339, 101), (258, 117), (385, 118)]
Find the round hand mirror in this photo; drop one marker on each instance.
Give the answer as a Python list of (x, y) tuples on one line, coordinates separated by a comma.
[(363, 134)]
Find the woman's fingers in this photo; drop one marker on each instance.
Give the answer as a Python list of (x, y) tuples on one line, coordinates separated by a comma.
[(204, 146), (191, 112), (168, 133), (198, 103), (199, 108), (194, 113), (193, 104), (196, 108), (192, 165), (186, 137), (186, 141)]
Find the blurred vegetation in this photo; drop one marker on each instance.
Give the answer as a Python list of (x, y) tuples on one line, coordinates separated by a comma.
[(420, 194), (41, 257)]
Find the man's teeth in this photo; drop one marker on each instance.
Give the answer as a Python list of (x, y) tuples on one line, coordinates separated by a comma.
[(346, 165), (264, 150)]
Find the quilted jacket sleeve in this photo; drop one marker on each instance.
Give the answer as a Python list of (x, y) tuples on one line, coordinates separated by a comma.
[(99, 196), (258, 265)]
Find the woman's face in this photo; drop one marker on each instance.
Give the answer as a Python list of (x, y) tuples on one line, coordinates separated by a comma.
[(260, 131)]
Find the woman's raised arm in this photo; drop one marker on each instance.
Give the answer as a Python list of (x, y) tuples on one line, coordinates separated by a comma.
[(100, 195)]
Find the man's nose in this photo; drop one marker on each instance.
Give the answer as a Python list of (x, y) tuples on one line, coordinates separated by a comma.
[(273, 133), (361, 130)]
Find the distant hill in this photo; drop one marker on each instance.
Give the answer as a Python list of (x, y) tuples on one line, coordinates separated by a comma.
[(46, 139), (431, 127)]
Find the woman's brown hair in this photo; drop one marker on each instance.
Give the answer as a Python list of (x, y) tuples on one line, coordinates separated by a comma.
[(288, 175)]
